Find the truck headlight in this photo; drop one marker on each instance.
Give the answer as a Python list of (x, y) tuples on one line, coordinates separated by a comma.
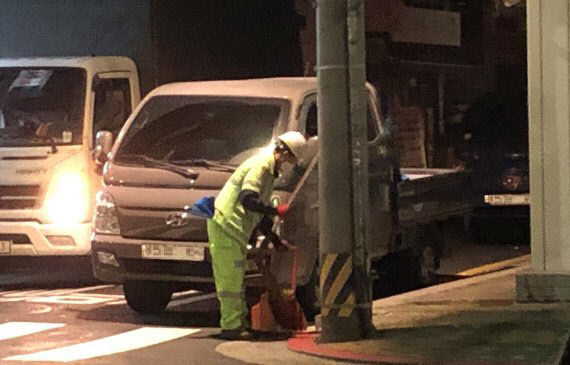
[(67, 198), (105, 218)]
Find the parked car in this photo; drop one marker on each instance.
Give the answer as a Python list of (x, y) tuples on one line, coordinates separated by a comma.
[(495, 149), (184, 141)]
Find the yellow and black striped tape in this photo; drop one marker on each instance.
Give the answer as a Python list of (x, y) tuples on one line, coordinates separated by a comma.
[(337, 287)]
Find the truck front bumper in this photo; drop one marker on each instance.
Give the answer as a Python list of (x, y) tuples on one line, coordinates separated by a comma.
[(116, 259), (30, 238)]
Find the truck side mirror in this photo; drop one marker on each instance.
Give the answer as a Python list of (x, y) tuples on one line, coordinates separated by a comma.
[(103, 145)]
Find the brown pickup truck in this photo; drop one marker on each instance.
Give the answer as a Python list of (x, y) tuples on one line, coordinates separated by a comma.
[(183, 142)]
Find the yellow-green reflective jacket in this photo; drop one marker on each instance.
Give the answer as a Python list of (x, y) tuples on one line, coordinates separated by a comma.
[(256, 174)]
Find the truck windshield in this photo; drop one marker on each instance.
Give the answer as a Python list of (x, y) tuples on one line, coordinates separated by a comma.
[(41, 106), (189, 130)]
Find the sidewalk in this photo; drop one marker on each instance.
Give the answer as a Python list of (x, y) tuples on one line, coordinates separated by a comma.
[(470, 321)]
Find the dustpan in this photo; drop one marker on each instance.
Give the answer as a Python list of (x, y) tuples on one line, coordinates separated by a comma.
[(277, 307)]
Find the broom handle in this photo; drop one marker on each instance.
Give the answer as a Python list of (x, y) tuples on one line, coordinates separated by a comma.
[(294, 273), (303, 179), (291, 199)]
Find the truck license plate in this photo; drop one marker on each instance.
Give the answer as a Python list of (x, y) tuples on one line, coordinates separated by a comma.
[(5, 247), (173, 251), (508, 199)]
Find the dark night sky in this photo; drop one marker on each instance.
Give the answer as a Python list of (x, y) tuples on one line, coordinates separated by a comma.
[(230, 39)]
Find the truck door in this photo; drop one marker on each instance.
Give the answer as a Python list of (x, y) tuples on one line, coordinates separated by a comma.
[(381, 170), (113, 101)]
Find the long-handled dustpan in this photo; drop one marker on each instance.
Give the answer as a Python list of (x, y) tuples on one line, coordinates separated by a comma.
[(283, 305)]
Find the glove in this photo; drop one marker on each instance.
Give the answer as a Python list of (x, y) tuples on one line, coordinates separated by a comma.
[(282, 209)]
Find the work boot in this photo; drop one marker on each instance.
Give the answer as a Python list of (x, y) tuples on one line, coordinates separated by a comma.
[(238, 334)]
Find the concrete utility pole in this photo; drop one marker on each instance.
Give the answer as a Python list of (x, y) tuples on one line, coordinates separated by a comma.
[(343, 171)]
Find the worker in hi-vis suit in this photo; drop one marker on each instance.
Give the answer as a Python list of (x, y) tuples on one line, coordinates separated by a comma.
[(240, 207)]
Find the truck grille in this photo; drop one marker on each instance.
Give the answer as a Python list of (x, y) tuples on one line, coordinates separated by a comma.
[(19, 196)]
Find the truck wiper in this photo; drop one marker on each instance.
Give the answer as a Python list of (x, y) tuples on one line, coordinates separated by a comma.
[(51, 142), (204, 163), (42, 138), (151, 162)]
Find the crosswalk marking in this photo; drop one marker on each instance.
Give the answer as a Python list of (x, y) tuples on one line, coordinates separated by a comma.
[(131, 340), (198, 298), (60, 296), (17, 329), (77, 296)]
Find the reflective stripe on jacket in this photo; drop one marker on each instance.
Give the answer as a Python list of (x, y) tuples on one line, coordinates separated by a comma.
[(256, 174)]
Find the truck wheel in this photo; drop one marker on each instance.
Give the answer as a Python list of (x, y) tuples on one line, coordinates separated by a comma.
[(426, 266), (308, 296), (147, 296)]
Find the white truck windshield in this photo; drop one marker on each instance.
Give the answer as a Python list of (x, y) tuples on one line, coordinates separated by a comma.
[(41, 106), (188, 130)]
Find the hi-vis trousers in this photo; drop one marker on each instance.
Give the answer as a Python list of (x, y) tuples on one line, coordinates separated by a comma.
[(228, 262)]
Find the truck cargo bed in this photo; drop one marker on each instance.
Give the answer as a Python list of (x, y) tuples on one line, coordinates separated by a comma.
[(427, 195)]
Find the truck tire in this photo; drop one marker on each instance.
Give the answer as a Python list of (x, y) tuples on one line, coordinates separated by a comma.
[(426, 258), (425, 266), (147, 296), (408, 270), (422, 262)]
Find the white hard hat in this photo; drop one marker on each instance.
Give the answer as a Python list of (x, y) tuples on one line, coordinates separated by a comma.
[(295, 142)]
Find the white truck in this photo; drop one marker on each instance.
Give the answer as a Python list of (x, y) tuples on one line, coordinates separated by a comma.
[(183, 142), (55, 95), (50, 109)]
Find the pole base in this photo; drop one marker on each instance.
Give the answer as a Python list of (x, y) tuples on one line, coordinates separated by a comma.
[(340, 329)]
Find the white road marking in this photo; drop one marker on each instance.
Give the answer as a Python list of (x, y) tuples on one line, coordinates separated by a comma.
[(72, 299), (78, 296), (182, 293), (18, 329), (117, 302), (60, 296), (42, 309), (175, 295), (198, 298), (87, 288), (15, 296), (127, 341)]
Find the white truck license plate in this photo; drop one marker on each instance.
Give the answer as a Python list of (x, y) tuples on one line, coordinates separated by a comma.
[(173, 251), (5, 247), (508, 199)]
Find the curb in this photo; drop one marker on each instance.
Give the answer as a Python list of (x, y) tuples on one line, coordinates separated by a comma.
[(304, 343), (496, 266), (409, 296)]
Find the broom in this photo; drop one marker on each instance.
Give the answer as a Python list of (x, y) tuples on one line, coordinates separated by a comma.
[(285, 308)]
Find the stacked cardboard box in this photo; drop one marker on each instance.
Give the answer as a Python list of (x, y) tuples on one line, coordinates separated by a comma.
[(411, 135)]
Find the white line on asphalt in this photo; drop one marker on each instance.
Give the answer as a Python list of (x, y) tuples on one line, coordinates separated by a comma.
[(173, 303), (18, 329), (182, 293), (79, 290), (40, 292), (24, 293), (198, 298), (117, 302), (132, 340)]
